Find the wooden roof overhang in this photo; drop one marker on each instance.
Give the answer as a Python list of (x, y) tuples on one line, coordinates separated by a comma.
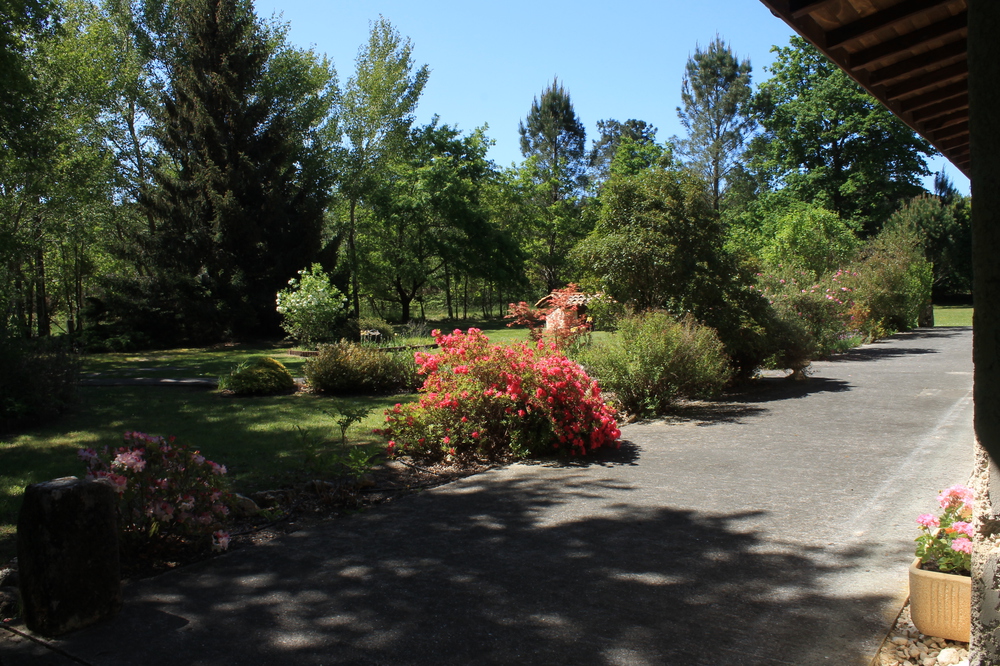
[(909, 54)]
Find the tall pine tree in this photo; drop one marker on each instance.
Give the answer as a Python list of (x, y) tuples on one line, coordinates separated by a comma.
[(553, 134), (241, 193), (553, 141), (715, 92)]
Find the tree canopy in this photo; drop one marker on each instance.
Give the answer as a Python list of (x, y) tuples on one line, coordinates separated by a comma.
[(715, 92)]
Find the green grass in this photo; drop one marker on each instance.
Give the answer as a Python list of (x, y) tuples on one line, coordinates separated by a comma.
[(198, 362), (952, 315), (255, 438)]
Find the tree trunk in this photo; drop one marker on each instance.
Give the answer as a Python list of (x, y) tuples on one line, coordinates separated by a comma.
[(352, 251), (984, 122), (447, 290), (41, 296)]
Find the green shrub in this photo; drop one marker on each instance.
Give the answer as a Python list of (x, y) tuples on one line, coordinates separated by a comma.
[(656, 359), (604, 312), (808, 237), (38, 380), (349, 367), (260, 375), (311, 307)]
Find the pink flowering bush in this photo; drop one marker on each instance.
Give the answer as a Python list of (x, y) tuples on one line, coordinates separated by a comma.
[(820, 307), (483, 401), (945, 541), (164, 488)]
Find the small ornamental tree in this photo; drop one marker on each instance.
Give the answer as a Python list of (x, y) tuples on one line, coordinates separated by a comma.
[(483, 401), (560, 321), (311, 306)]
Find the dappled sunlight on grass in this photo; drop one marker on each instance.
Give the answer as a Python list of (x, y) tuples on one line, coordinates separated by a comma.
[(255, 437)]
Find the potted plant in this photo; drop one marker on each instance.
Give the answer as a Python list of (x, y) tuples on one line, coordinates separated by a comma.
[(940, 578)]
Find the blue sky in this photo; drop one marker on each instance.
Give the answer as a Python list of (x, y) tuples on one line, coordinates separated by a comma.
[(488, 60)]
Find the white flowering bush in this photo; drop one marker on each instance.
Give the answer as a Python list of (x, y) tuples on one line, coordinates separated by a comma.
[(311, 306)]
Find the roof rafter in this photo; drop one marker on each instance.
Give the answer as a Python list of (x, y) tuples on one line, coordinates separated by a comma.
[(878, 21)]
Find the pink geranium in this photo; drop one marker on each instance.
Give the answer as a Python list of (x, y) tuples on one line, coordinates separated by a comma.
[(945, 541)]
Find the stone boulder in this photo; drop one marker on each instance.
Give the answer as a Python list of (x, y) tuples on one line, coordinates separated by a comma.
[(67, 554)]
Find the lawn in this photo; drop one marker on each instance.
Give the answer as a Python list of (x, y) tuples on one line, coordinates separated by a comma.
[(952, 315), (265, 442)]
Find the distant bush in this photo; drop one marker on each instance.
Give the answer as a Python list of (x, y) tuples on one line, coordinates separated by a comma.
[(311, 306), (261, 375), (38, 380), (350, 367), (656, 359), (891, 281), (808, 237)]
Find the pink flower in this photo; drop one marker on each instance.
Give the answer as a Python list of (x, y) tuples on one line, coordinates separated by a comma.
[(447, 440), (962, 527), (220, 540), (130, 460), (962, 545), (928, 520)]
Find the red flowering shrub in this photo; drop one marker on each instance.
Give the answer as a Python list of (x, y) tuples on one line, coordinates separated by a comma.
[(494, 402)]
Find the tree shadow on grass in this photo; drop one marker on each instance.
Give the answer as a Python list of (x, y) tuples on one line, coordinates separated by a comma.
[(501, 569)]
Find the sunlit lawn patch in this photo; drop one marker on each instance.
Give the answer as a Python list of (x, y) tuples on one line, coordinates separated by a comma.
[(952, 315)]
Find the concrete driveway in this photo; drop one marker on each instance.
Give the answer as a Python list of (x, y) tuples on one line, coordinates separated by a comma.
[(773, 528)]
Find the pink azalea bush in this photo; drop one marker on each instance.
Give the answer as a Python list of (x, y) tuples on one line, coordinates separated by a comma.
[(164, 488), (483, 401), (945, 541)]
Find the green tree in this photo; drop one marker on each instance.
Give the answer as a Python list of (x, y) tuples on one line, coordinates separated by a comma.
[(612, 134), (659, 244), (553, 142), (553, 134), (715, 93), (430, 219), (22, 24), (832, 143), (947, 238), (377, 112), (241, 193), (55, 189)]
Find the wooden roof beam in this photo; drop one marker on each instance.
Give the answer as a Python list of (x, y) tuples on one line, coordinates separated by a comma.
[(910, 65), (799, 8), (959, 70), (933, 96), (946, 28), (952, 144), (879, 20), (959, 102), (947, 119), (953, 130)]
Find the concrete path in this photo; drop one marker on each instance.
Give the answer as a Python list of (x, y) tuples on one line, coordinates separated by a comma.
[(772, 529)]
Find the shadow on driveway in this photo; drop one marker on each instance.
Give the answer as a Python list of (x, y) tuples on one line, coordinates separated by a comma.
[(499, 570)]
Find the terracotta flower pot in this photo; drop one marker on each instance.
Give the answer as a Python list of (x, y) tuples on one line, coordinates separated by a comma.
[(940, 603)]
